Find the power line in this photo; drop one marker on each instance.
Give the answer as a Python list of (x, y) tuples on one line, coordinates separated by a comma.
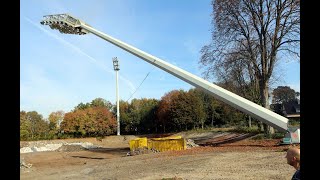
[(140, 84)]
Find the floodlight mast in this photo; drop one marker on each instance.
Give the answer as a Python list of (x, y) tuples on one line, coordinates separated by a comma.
[(70, 25)]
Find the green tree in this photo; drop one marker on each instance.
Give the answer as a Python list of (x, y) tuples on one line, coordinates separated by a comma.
[(283, 94), (182, 111), (199, 115), (135, 115), (33, 126), (97, 102), (82, 106), (100, 102), (25, 126), (35, 120), (125, 120)]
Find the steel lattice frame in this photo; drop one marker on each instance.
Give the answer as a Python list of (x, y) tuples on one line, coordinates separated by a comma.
[(64, 23)]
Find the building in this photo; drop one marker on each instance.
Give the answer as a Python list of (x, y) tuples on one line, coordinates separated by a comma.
[(290, 109)]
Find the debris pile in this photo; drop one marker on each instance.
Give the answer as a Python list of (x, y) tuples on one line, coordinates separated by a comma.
[(191, 144), (39, 147), (64, 146), (70, 148), (23, 164), (144, 150)]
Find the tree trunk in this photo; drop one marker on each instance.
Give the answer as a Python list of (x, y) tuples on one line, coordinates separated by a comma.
[(260, 126), (202, 125), (264, 94), (249, 122), (212, 121)]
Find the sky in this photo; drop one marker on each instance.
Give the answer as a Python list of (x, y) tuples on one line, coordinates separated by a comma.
[(59, 71)]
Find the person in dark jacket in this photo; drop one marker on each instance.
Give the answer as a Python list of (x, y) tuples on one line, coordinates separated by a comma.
[(293, 159)]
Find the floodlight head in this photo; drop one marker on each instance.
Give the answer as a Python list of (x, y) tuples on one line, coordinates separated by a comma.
[(115, 64), (65, 24)]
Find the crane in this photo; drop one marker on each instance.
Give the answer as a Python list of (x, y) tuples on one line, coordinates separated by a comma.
[(68, 24)]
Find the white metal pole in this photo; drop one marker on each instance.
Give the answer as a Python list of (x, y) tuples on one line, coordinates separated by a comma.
[(265, 115), (118, 111)]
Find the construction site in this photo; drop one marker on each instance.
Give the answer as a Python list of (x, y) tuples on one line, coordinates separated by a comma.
[(207, 155), (199, 155)]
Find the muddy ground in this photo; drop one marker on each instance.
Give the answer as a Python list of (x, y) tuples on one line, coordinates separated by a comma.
[(240, 159)]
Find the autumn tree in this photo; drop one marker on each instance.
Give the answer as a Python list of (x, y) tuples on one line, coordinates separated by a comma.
[(93, 121), (55, 119), (163, 111), (254, 31)]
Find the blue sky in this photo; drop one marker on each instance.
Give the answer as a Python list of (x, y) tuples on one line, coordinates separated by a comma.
[(59, 71)]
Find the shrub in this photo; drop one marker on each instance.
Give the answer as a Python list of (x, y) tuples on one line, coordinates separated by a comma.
[(254, 130)]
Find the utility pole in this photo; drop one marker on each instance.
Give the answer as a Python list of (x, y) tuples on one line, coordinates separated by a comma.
[(116, 68)]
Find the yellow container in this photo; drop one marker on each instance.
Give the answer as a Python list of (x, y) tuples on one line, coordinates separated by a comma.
[(169, 137), (138, 143), (167, 143)]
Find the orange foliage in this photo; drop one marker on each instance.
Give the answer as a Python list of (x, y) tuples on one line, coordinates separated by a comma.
[(94, 121)]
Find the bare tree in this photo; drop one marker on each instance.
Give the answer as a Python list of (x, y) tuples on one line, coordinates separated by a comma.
[(254, 31)]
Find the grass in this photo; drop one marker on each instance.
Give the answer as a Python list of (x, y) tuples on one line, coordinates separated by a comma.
[(209, 129), (237, 129), (253, 129), (266, 136)]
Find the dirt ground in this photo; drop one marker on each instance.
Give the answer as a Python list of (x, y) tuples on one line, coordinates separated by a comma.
[(241, 159)]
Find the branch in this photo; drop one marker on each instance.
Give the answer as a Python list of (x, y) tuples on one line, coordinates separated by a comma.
[(288, 41)]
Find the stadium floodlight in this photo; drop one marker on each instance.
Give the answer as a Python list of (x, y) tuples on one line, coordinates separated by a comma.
[(70, 25), (116, 68), (64, 23)]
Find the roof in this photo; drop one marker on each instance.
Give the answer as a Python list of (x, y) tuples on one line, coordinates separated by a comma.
[(287, 109), (291, 107)]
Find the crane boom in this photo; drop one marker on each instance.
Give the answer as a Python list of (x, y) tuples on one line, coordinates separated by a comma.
[(70, 25)]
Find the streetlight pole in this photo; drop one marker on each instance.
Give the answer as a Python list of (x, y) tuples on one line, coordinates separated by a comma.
[(116, 68)]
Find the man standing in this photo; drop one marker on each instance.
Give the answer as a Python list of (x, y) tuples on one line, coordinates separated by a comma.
[(293, 159)]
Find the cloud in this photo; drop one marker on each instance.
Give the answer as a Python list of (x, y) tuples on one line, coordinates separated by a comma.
[(77, 49)]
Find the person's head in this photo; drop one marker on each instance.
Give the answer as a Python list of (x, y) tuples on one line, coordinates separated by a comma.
[(293, 157)]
